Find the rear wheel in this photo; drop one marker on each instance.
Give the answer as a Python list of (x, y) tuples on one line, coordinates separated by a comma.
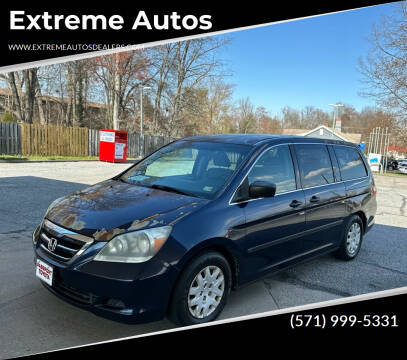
[(202, 290), (352, 239)]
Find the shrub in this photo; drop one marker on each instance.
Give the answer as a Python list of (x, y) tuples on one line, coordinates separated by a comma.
[(8, 117)]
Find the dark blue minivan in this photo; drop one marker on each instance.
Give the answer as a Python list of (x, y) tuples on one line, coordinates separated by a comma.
[(173, 234)]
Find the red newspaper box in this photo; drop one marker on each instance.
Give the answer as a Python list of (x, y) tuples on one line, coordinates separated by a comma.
[(112, 145)]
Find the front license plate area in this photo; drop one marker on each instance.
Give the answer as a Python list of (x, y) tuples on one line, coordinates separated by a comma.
[(44, 271)]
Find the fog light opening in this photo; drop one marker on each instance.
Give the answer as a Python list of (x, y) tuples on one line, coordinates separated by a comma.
[(115, 304)]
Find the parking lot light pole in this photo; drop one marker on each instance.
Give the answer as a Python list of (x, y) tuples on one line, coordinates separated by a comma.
[(335, 106), (141, 119)]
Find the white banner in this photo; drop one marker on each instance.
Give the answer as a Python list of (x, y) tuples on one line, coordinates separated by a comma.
[(119, 150), (374, 161), (107, 136)]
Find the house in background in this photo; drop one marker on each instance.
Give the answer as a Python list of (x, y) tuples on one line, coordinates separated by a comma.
[(54, 109), (324, 132)]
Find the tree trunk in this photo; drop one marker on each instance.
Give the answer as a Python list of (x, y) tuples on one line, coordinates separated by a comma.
[(41, 112), (30, 81), (116, 94), (17, 99)]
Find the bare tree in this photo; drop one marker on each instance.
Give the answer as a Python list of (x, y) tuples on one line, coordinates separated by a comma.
[(311, 117), (121, 74), (186, 65), (244, 115), (23, 86), (218, 104), (266, 123), (291, 118), (15, 84), (205, 108), (384, 69), (163, 62), (52, 89)]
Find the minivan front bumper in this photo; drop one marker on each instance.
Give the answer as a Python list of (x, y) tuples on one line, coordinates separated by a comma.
[(138, 295)]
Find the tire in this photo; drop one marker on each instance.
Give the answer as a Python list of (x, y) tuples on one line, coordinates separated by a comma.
[(192, 301), (350, 248)]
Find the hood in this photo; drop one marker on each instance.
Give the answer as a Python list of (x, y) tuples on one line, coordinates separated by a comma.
[(113, 207)]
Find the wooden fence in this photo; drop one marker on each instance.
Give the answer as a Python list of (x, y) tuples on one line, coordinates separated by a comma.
[(93, 142), (152, 143), (133, 145), (54, 140), (33, 139), (10, 138)]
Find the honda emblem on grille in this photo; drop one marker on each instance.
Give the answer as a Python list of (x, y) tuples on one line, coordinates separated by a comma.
[(52, 244)]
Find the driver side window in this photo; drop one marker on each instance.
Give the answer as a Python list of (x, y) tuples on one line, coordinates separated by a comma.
[(275, 166)]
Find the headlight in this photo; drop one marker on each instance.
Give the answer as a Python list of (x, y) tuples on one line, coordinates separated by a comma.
[(134, 247)]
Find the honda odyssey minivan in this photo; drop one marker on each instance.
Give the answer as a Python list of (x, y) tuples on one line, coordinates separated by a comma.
[(173, 234)]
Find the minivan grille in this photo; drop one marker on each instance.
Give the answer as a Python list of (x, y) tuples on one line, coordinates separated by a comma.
[(65, 248), (61, 244)]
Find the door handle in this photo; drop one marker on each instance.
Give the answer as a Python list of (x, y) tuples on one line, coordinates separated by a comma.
[(314, 199), (295, 203)]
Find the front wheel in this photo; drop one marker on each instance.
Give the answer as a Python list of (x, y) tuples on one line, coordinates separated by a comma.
[(352, 239), (202, 290)]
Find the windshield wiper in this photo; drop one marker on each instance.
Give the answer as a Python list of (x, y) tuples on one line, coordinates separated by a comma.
[(325, 179), (171, 189)]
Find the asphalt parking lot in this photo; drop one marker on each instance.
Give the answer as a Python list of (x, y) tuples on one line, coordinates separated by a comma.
[(33, 320)]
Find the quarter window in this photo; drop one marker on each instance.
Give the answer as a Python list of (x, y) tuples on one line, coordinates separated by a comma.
[(350, 163), (315, 165), (275, 166)]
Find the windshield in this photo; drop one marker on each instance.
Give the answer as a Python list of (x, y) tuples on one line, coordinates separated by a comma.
[(199, 169)]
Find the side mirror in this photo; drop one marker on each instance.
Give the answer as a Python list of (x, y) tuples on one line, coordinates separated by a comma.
[(260, 189)]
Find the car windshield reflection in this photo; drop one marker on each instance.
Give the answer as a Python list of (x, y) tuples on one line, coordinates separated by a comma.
[(199, 169)]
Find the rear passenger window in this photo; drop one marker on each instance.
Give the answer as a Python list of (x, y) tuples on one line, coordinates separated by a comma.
[(350, 163), (315, 165), (275, 166)]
